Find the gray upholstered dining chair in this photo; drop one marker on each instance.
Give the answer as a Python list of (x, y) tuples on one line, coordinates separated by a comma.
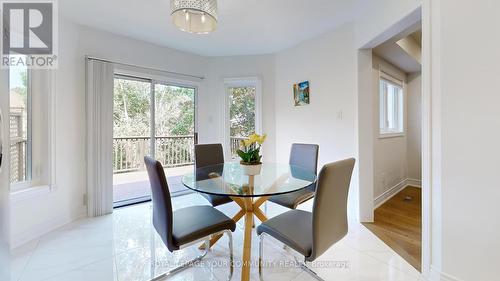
[(305, 156), (208, 155), (187, 226), (311, 234)]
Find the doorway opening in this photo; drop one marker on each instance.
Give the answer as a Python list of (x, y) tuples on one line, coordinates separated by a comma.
[(153, 118), (390, 135)]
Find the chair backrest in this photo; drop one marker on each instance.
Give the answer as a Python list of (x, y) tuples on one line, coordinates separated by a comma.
[(305, 156), (208, 154), (330, 206), (162, 204)]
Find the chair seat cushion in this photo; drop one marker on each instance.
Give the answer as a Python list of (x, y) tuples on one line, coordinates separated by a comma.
[(217, 200), (193, 223), (293, 228), (293, 199)]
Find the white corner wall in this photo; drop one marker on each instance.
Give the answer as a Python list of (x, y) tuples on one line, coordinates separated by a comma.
[(465, 58), (414, 125)]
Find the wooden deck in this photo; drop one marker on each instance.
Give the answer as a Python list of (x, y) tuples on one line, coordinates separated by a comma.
[(398, 222), (136, 184)]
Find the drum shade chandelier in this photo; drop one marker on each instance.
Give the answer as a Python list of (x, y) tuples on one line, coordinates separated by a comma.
[(194, 16)]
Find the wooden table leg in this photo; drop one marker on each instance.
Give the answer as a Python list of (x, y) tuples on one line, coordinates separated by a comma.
[(247, 242), (259, 214), (249, 209)]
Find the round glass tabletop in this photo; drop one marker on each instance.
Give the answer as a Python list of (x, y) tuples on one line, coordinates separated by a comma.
[(230, 179)]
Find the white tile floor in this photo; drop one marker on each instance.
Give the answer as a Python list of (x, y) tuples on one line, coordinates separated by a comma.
[(118, 247)]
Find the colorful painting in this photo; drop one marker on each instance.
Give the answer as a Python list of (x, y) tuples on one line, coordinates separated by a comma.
[(301, 93)]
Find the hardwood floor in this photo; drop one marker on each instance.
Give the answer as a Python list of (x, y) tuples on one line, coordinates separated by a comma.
[(398, 222)]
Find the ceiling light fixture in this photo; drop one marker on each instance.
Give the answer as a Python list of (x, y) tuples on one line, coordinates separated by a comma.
[(194, 16)]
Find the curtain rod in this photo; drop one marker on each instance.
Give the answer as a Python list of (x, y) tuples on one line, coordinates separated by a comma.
[(148, 68)]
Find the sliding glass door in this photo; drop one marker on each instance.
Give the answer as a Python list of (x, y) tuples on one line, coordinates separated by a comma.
[(152, 118)]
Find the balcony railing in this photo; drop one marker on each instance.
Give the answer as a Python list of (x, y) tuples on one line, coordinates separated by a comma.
[(234, 143), (172, 151), (18, 160)]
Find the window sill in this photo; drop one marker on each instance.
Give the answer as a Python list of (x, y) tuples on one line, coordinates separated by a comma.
[(31, 192), (391, 135)]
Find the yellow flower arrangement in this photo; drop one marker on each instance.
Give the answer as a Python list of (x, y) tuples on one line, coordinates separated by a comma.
[(250, 149)]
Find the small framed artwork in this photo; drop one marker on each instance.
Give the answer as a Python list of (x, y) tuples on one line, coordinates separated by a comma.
[(301, 93)]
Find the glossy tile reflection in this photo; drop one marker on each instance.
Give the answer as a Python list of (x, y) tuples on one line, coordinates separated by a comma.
[(118, 248)]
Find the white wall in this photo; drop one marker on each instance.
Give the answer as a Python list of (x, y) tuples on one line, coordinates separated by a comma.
[(414, 125), (390, 154), (328, 62), (466, 140)]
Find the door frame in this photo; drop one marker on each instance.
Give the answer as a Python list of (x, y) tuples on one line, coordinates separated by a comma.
[(430, 115)]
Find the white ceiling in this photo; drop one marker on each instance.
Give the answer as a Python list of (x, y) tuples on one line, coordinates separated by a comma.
[(245, 26)]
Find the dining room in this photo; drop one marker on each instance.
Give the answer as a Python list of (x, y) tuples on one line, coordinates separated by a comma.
[(232, 140), (208, 162)]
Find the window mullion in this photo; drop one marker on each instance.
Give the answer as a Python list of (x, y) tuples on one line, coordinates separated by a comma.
[(152, 133)]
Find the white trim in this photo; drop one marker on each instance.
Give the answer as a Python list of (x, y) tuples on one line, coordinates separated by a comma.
[(437, 275), (41, 229), (28, 193), (391, 135), (414, 182), (388, 194), (430, 245)]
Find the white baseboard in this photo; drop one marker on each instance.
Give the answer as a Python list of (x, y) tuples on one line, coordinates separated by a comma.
[(37, 231), (437, 275), (381, 199), (414, 182)]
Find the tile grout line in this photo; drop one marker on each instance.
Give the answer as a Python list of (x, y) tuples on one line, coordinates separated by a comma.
[(29, 259)]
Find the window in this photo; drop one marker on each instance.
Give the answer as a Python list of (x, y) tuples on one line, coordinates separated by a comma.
[(20, 124), (243, 111), (391, 107)]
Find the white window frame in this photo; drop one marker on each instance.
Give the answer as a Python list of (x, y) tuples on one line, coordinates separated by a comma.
[(400, 110), (240, 82), (42, 177)]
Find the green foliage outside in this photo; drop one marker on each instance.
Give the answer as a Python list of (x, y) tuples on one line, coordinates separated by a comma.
[(242, 111), (174, 109)]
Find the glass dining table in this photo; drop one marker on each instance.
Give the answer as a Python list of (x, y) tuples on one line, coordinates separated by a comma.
[(248, 191)]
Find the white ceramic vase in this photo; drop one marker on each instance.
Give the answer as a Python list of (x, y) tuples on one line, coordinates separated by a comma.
[(251, 170)]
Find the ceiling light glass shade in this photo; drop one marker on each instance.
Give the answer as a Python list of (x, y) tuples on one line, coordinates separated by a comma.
[(194, 16)]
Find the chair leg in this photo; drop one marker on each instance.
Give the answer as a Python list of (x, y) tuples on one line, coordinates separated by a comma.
[(231, 256), (184, 265), (261, 253), (304, 267)]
